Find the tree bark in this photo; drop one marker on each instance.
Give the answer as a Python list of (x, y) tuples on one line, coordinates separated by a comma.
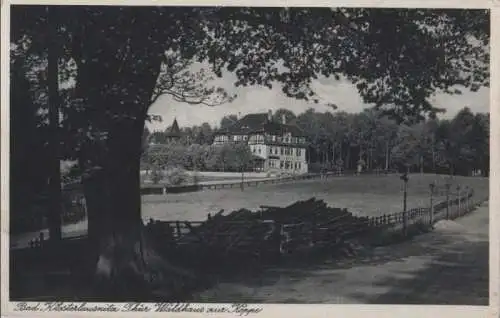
[(55, 193), (121, 258)]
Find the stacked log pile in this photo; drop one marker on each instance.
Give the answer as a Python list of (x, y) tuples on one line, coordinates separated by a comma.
[(272, 230), (239, 232)]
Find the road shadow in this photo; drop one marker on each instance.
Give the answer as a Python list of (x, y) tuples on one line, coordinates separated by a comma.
[(456, 273), (454, 278), (443, 267)]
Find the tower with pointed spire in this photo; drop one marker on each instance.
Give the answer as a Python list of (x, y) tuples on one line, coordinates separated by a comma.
[(174, 134)]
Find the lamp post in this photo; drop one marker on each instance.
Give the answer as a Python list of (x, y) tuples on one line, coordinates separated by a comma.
[(448, 186), (431, 209), (405, 179)]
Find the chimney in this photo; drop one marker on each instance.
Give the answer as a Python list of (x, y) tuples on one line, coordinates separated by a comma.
[(270, 115), (283, 119)]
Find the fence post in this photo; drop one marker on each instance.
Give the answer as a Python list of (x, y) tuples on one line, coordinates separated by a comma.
[(447, 186), (42, 238), (404, 177), (466, 200), (282, 239), (459, 203), (178, 228), (431, 210)]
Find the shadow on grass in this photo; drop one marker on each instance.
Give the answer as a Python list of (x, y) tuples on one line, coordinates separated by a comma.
[(457, 274)]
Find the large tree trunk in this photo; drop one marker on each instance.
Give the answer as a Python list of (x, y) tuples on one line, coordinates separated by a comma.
[(120, 255), (55, 194)]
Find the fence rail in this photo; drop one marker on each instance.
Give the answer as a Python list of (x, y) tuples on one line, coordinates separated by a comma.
[(253, 234), (162, 189), (293, 237)]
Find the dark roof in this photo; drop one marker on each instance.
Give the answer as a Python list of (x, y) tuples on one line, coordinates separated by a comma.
[(174, 130), (259, 122)]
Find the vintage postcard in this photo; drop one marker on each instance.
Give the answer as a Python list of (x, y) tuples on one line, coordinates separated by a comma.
[(250, 159)]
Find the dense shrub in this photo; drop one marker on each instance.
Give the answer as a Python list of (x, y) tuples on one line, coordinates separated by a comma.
[(156, 175), (176, 176)]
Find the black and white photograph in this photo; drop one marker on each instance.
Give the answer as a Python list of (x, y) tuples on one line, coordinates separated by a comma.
[(247, 155)]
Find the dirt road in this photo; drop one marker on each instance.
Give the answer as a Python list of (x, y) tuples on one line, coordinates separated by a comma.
[(446, 266)]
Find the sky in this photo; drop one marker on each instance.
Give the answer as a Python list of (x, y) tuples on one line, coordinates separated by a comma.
[(257, 99)]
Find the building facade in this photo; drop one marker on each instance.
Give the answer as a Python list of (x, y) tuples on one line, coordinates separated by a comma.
[(276, 146)]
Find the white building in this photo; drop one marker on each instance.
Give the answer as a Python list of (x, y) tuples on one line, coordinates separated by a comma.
[(276, 145)]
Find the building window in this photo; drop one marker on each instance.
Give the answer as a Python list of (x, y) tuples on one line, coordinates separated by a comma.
[(282, 164), (281, 148), (259, 151), (298, 152), (299, 165)]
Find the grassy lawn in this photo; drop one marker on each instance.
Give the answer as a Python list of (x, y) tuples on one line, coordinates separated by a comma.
[(363, 195)]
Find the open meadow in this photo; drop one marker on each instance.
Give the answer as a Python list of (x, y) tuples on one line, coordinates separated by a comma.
[(367, 195), (363, 195)]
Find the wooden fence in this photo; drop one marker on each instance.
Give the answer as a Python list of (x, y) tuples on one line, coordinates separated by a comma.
[(256, 236), (455, 205), (162, 189), (288, 237)]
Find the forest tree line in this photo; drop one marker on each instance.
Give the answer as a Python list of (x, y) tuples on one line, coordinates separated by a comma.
[(459, 145)]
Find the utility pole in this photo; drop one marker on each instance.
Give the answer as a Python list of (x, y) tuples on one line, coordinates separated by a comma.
[(55, 195)]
